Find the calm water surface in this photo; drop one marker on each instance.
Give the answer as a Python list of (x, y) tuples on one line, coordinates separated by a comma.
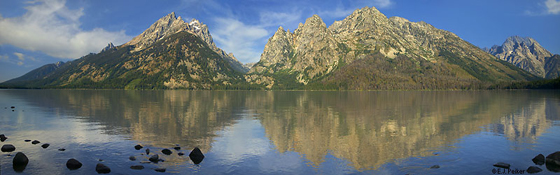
[(264, 132)]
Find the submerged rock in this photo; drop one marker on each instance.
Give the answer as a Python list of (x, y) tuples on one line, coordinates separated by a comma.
[(177, 148), (539, 159), (533, 170), (154, 158), (196, 155), (147, 151), (8, 148), (138, 147), (434, 167), (46, 145), (502, 165), (132, 158), (180, 154), (136, 167), (34, 142), (73, 164), (102, 169), (61, 149), (160, 169), (166, 151)]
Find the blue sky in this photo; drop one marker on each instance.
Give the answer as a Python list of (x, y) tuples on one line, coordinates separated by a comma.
[(38, 32)]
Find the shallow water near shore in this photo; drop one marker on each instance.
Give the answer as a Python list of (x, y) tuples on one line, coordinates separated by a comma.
[(281, 132)]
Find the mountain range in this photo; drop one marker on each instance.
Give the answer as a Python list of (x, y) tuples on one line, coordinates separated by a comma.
[(364, 51)]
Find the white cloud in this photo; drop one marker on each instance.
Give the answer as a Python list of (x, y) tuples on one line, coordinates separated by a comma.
[(553, 6), (337, 13), (239, 38), (50, 27), (20, 56), (276, 19), (382, 3)]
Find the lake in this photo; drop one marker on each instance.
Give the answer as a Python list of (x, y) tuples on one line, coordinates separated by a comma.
[(281, 132)]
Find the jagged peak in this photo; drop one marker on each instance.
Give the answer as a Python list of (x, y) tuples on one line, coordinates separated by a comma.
[(109, 46), (314, 21), (519, 40), (367, 11), (280, 29), (194, 22), (164, 26)]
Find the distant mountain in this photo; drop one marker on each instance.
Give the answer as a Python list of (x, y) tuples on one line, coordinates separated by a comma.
[(109, 46), (170, 54), (393, 52), (528, 54), (38, 73)]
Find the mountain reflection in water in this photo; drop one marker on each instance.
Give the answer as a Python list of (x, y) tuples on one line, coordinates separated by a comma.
[(367, 129)]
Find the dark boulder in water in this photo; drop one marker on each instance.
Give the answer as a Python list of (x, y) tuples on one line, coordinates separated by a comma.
[(166, 151), (177, 148), (34, 142), (539, 159), (533, 170), (553, 158), (196, 155), (102, 169), (553, 162), (8, 148), (434, 167), (502, 165), (61, 149), (20, 159), (138, 147), (160, 169), (3, 137), (27, 140), (132, 158), (180, 154), (154, 158), (73, 164), (136, 167), (147, 151), (46, 145)]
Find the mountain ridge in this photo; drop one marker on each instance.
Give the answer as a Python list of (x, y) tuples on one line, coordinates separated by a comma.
[(364, 51)]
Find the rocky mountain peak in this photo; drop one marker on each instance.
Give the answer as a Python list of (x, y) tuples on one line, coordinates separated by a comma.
[(361, 19), (109, 46), (201, 30), (163, 27), (313, 24), (171, 24), (524, 52)]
